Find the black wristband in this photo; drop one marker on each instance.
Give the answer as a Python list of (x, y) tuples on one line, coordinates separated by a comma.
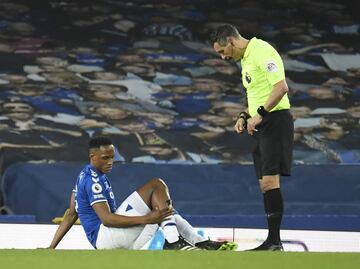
[(243, 115), (262, 112)]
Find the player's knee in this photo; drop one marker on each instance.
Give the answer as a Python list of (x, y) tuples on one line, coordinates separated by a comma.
[(158, 182)]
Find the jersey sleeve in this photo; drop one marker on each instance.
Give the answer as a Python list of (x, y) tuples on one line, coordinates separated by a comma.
[(270, 62), (95, 192)]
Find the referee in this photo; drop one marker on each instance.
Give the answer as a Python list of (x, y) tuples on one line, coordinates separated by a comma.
[(267, 119)]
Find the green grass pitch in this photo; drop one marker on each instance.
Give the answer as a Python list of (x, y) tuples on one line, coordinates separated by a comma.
[(127, 259)]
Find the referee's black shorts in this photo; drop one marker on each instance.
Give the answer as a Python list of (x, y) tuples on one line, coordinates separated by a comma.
[(273, 144)]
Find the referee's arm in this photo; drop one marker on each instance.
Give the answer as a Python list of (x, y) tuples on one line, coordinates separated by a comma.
[(278, 92)]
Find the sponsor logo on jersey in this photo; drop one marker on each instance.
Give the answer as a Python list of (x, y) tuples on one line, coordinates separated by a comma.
[(98, 196), (112, 195)]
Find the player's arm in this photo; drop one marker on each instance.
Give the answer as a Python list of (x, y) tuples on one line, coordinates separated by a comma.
[(66, 224), (110, 219)]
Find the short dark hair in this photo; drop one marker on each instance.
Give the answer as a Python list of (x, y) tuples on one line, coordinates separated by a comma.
[(97, 142), (222, 33)]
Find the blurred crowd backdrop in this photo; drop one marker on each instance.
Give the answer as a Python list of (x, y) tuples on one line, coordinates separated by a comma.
[(142, 73)]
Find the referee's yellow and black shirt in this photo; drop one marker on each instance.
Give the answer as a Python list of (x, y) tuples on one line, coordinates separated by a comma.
[(262, 68)]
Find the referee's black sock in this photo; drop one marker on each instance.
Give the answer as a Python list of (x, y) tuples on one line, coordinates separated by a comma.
[(274, 209), (265, 204)]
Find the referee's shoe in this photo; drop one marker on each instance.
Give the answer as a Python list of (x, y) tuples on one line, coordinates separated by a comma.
[(268, 246)]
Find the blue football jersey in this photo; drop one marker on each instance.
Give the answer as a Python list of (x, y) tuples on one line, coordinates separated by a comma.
[(92, 186)]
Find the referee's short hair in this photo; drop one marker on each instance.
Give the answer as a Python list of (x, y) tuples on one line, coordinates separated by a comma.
[(222, 33)]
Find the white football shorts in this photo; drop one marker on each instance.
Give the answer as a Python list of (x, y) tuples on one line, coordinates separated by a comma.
[(128, 238)]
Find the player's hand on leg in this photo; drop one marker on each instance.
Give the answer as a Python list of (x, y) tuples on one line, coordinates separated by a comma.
[(158, 215)]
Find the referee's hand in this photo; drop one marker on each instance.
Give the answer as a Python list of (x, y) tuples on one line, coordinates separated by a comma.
[(252, 122), (240, 125)]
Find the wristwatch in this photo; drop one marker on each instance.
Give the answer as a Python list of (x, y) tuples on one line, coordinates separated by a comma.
[(262, 112)]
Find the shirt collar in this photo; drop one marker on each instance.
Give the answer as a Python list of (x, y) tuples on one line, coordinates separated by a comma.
[(97, 171), (249, 47)]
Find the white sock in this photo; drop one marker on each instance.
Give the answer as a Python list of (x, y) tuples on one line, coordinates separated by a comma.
[(171, 233), (145, 236), (187, 231)]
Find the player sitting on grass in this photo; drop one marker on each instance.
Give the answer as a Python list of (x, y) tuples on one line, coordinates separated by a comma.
[(134, 223)]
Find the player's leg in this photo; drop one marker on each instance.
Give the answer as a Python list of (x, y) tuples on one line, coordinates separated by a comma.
[(155, 194), (128, 238), (145, 236), (188, 232), (115, 238)]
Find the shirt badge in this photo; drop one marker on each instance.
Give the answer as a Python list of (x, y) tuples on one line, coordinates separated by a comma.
[(96, 188), (271, 66)]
